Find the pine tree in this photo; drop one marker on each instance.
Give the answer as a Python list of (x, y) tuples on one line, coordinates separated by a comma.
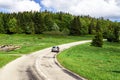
[(39, 23), (116, 32), (48, 22), (60, 16), (90, 27), (75, 28), (66, 31), (6, 18), (113, 33), (109, 34), (55, 27), (98, 39), (13, 28), (2, 30)]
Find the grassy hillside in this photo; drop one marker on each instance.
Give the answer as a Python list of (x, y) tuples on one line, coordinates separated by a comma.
[(93, 63), (31, 43)]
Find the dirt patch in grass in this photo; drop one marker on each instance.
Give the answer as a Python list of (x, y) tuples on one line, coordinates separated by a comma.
[(9, 47)]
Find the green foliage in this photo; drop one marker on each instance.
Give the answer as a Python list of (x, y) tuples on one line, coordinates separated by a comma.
[(39, 23), (13, 28), (45, 21), (48, 22), (90, 27), (116, 32), (63, 20), (2, 30), (66, 31), (55, 27), (75, 27), (6, 18), (84, 26), (30, 29), (113, 33), (98, 39)]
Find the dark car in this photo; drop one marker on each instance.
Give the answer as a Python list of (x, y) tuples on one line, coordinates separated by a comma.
[(55, 49)]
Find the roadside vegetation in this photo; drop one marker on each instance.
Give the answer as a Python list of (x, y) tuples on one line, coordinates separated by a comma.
[(93, 63), (31, 43)]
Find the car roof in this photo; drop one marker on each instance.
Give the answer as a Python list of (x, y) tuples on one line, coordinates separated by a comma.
[(55, 46)]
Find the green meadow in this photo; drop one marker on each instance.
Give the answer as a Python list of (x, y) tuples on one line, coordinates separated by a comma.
[(93, 63)]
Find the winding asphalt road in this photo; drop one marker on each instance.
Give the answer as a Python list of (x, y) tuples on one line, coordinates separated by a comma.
[(40, 65)]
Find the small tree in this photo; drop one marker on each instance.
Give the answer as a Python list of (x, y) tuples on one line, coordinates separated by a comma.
[(66, 31), (30, 28), (13, 25), (98, 39), (55, 27)]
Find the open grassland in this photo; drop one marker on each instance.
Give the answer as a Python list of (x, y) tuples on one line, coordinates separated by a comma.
[(6, 58), (31, 43), (93, 63)]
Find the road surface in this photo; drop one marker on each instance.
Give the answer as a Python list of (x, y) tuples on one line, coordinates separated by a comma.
[(40, 65)]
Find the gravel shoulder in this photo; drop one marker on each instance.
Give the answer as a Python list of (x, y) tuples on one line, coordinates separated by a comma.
[(39, 65)]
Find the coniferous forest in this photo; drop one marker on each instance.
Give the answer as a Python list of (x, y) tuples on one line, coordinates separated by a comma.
[(65, 23)]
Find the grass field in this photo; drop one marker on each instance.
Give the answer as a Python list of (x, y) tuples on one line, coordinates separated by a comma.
[(93, 63), (6, 58), (31, 43)]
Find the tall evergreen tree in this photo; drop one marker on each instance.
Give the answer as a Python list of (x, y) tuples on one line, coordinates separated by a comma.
[(21, 21), (113, 32), (98, 26), (6, 18), (109, 33), (90, 27), (116, 32), (60, 16), (48, 22), (39, 23), (2, 30), (75, 27), (13, 28)]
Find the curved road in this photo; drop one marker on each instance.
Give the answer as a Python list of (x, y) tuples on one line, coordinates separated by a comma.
[(40, 65)]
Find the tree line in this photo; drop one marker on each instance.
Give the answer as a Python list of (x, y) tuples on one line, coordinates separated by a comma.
[(40, 22)]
